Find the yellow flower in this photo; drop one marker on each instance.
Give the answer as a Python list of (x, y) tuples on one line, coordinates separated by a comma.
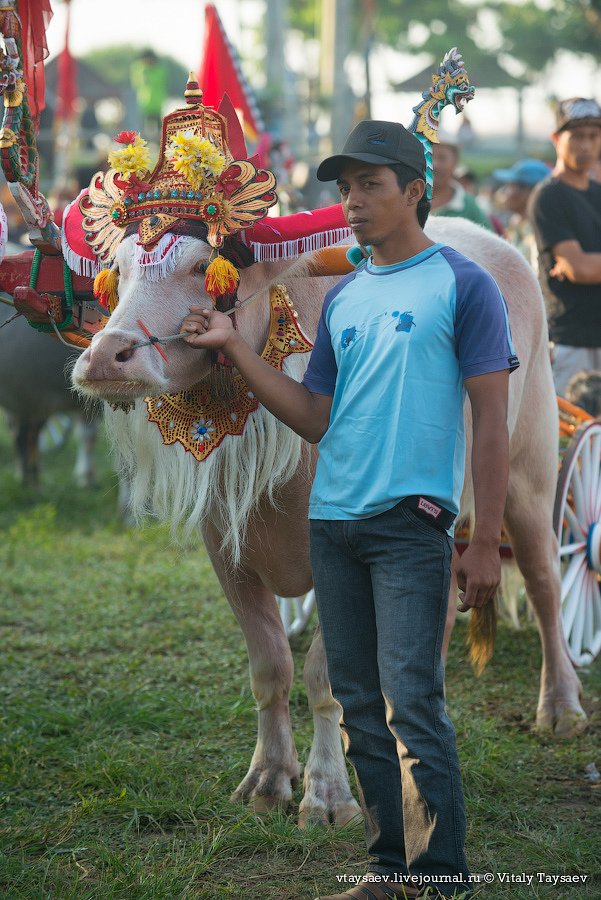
[(194, 157), (134, 159)]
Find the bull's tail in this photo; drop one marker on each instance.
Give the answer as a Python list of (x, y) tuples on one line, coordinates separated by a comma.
[(481, 635)]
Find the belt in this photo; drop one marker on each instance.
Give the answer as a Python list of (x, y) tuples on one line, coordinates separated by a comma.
[(430, 511)]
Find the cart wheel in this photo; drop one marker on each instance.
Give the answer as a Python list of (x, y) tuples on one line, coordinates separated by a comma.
[(296, 612), (577, 524)]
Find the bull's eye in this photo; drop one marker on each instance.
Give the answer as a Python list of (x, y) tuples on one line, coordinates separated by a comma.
[(201, 268)]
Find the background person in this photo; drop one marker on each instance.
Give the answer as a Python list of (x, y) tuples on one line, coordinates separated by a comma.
[(449, 197), (518, 182), (565, 211)]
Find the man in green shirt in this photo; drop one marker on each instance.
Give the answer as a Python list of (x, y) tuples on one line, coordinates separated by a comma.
[(450, 198)]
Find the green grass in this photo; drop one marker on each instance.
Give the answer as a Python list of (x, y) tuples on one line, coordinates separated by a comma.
[(127, 720)]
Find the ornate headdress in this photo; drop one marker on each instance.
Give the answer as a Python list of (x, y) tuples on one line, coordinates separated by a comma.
[(202, 184)]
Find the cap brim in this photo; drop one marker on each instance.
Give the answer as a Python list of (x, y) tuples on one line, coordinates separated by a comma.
[(576, 123), (330, 168)]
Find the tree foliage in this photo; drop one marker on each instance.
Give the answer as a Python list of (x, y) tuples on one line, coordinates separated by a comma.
[(533, 34), (530, 31)]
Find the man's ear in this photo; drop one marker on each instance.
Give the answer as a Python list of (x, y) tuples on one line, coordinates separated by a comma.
[(415, 191)]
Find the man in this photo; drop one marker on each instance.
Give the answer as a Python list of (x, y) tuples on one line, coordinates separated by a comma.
[(518, 182), (398, 340), (449, 197), (566, 215)]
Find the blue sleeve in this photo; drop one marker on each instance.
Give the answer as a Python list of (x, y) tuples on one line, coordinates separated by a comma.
[(482, 335), (320, 377)]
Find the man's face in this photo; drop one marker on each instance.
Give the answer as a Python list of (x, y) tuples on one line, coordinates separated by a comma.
[(444, 158), (515, 197), (578, 148), (373, 203)]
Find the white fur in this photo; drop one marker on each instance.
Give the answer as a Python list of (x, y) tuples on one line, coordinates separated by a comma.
[(169, 483)]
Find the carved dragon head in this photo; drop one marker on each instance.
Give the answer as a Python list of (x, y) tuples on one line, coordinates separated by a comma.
[(450, 87)]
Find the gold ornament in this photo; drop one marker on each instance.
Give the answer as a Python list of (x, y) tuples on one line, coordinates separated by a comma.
[(199, 421)]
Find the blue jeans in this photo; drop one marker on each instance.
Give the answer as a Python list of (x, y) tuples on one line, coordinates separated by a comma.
[(382, 585)]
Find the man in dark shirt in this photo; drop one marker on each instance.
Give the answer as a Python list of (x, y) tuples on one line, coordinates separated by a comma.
[(565, 210)]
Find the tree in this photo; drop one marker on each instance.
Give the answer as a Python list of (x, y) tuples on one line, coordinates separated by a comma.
[(534, 34)]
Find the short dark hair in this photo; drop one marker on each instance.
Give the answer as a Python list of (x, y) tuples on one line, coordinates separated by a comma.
[(404, 174)]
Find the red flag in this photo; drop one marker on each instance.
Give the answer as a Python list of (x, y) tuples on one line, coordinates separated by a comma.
[(220, 74), (35, 16), (67, 78)]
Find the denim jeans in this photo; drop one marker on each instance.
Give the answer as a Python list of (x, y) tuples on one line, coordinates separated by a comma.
[(382, 586)]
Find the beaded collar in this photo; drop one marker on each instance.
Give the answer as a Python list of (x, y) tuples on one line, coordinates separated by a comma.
[(199, 421)]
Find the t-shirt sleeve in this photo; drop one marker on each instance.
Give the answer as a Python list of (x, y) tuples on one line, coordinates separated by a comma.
[(549, 220), (482, 334), (320, 377)]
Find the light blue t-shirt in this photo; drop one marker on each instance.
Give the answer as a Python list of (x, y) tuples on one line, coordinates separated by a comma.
[(393, 347)]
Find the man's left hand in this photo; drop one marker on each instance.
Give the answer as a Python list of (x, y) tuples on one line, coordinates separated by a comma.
[(478, 574)]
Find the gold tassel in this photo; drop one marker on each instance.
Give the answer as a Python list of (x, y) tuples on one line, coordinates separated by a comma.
[(106, 285), (481, 633), (221, 277)]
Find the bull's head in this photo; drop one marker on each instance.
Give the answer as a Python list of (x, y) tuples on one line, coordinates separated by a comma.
[(157, 232), (116, 369)]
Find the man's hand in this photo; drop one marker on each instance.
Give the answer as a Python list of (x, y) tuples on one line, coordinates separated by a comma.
[(478, 575), (560, 270), (207, 329)]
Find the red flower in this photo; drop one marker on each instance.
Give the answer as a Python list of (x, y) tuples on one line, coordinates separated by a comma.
[(126, 137)]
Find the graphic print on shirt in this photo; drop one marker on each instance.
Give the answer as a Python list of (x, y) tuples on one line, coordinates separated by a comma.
[(348, 337), (405, 321)]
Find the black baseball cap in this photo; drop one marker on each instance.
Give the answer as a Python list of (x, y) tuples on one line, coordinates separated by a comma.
[(378, 143), (577, 111)]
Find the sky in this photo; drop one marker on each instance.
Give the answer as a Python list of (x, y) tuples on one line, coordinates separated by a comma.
[(176, 27)]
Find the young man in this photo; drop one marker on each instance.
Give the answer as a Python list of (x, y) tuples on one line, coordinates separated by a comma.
[(397, 342), (566, 214)]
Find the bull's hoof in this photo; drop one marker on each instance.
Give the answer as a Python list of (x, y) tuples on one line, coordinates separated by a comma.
[(265, 789), (561, 721), (327, 800), (339, 815)]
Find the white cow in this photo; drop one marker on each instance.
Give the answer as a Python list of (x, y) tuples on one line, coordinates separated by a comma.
[(249, 498)]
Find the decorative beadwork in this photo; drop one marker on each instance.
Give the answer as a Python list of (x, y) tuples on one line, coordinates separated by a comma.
[(196, 420)]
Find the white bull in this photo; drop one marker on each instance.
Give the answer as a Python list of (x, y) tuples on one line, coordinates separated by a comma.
[(250, 496)]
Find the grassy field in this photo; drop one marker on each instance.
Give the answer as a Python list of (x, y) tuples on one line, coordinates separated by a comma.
[(127, 720)]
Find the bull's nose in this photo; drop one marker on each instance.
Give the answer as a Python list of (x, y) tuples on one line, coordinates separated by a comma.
[(108, 354)]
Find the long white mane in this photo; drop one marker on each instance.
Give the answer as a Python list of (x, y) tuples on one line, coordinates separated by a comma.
[(168, 483)]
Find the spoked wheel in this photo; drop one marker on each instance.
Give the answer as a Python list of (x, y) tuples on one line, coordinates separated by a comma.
[(296, 612), (577, 524)]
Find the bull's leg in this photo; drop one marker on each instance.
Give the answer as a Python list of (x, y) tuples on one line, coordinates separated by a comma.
[(528, 519), (327, 794), (274, 770), (85, 470), (27, 434)]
